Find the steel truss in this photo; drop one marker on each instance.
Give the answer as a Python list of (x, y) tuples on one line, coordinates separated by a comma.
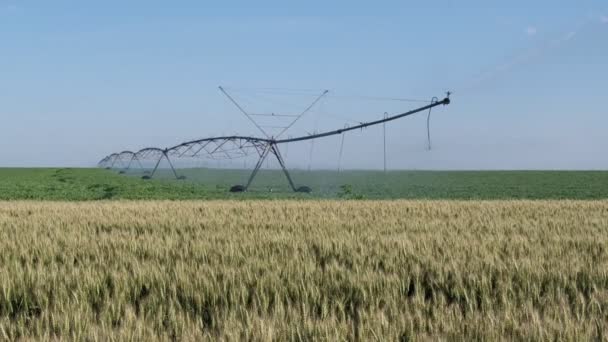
[(233, 147), (122, 159)]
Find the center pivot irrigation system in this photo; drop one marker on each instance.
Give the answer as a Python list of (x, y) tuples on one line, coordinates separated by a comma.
[(236, 146)]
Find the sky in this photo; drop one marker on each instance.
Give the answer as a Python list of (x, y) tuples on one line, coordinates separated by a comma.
[(80, 80)]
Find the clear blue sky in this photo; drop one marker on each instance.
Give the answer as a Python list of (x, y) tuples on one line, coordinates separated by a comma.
[(80, 80)]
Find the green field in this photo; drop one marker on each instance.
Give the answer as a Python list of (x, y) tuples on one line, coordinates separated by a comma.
[(99, 184)]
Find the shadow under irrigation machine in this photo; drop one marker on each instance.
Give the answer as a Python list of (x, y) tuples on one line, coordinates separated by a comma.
[(237, 146)]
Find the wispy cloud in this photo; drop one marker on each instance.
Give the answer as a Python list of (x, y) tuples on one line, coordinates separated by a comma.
[(9, 8), (535, 52), (569, 35), (525, 57)]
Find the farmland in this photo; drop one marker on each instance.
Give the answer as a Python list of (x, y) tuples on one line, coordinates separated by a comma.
[(406, 255), (97, 184), (304, 270)]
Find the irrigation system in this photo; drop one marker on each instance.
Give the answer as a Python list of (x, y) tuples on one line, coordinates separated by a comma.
[(236, 146)]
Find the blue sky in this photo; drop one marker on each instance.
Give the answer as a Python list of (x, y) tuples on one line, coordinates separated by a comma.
[(81, 80)]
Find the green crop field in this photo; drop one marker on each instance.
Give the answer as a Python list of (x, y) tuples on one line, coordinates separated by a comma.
[(98, 184)]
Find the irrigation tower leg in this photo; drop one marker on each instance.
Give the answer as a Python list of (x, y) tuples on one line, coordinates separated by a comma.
[(124, 168), (155, 167), (271, 147), (164, 155), (258, 165), (277, 154), (134, 158), (341, 151), (113, 162), (139, 163), (171, 164)]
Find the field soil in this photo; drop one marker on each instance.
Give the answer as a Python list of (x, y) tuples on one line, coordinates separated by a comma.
[(304, 270)]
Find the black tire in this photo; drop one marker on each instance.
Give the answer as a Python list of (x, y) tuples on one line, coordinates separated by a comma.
[(238, 188), (304, 189)]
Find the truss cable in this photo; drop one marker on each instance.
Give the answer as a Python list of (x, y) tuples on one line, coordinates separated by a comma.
[(307, 92), (286, 91), (445, 101), (377, 98), (244, 112), (275, 115), (340, 117), (257, 100), (304, 112), (275, 127)]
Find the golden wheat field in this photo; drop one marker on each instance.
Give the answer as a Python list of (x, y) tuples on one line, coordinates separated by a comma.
[(304, 270)]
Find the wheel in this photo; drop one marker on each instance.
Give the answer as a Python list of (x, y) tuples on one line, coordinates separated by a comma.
[(304, 189), (238, 188)]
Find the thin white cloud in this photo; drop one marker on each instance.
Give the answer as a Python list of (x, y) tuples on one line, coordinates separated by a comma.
[(9, 8), (531, 30), (569, 35)]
